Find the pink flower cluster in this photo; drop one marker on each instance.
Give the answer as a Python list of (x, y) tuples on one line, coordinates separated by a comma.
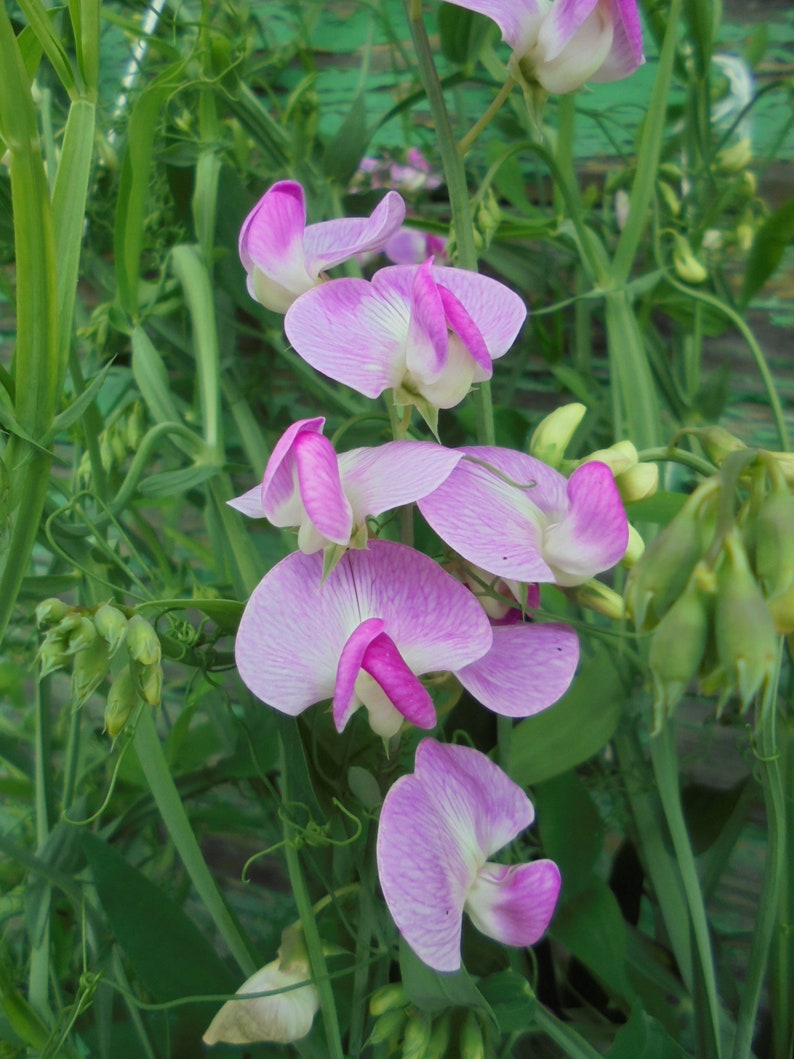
[(360, 621)]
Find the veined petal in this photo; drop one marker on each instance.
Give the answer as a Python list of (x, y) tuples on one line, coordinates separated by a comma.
[(515, 18), (580, 56), (331, 242), (249, 503), (350, 661), (394, 474), (280, 1018), (281, 502), (407, 694), (321, 487), (625, 55), (271, 246), (529, 667), (465, 328), (514, 904), (561, 25), (594, 534), (427, 341), (348, 331)]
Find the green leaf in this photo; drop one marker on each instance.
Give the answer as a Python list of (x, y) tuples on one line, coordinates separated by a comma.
[(577, 727), (770, 241), (511, 998), (570, 829), (174, 483), (433, 991), (643, 1035), (660, 508), (461, 33), (344, 152), (79, 405)]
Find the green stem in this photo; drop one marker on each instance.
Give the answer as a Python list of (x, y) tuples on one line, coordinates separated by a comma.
[(573, 1045), (665, 767), (483, 122), (776, 869)]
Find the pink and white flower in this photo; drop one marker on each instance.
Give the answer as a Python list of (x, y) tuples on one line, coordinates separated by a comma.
[(438, 829), (521, 520), (329, 497), (280, 1018), (563, 43), (284, 257), (427, 333)]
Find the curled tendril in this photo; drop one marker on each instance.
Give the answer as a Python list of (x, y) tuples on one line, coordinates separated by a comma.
[(312, 834)]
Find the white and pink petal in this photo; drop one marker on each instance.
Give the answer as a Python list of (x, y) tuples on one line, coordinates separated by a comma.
[(514, 904)]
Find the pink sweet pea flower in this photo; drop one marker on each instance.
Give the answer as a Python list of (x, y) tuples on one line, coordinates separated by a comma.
[(519, 519), (426, 332), (384, 617), (410, 246), (563, 43), (329, 497), (438, 829), (284, 258)]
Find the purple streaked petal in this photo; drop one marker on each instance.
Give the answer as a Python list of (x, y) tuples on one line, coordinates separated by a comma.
[(249, 503), (625, 55), (271, 247), (511, 16), (397, 473), (561, 24), (331, 242), (428, 340), (386, 666), (577, 58), (594, 535), (349, 332), (350, 662), (529, 667), (280, 499), (462, 324), (515, 904), (321, 487)]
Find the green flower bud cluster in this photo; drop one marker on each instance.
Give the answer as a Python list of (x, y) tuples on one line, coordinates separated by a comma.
[(410, 1033), (89, 639), (118, 441), (715, 589)]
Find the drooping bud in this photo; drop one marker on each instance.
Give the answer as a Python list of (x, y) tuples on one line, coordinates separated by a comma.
[(553, 434), (387, 1026), (745, 631), (81, 636), (123, 697), (679, 643), (388, 998), (111, 625), (439, 1038), (416, 1036), (150, 682), (52, 654), (620, 457), (664, 569), (635, 549), (142, 642), (472, 1044), (718, 443), (774, 538), (638, 482), (595, 595), (686, 265), (50, 612), (89, 670)]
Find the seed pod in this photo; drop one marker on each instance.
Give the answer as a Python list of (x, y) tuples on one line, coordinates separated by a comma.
[(142, 642), (388, 998), (553, 434), (387, 1025), (745, 631), (50, 611), (111, 625), (678, 645), (417, 1036), (123, 697), (472, 1044), (89, 670)]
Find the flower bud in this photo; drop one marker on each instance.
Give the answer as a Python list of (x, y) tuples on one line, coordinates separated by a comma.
[(89, 670), (638, 482), (745, 631), (50, 611), (736, 157), (388, 998), (782, 610), (718, 443), (123, 697), (678, 645), (472, 1044), (387, 1025), (619, 457), (142, 642), (81, 636), (664, 569), (439, 1038), (634, 550), (150, 681), (52, 654), (111, 625), (553, 434), (774, 540), (686, 265), (417, 1036), (595, 595)]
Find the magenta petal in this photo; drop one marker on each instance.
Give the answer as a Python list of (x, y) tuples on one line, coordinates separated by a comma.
[(595, 533), (514, 904), (462, 324), (529, 667), (331, 242), (428, 338), (279, 493), (385, 664), (350, 663), (397, 473), (321, 487), (625, 55), (348, 331), (510, 16), (497, 311), (272, 233)]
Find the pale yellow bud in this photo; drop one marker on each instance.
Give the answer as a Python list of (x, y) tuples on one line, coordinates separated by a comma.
[(634, 550), (638, 482), (620, 457), (736, 157), (553, 434), (595, 595), (686, 265)]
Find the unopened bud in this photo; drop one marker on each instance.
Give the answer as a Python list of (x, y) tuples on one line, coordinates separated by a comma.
[(718, 443), (678, 645), (635, 549), (142, 642), (89, 670), (123, 697), (782, 610), (81, 636), (594, 595), (686, 265), (417, 1036), (553, 434), (736, 157), (150, 682), (638, 482), (745, 631), (439, 1038), (619, 457), (52, 653), (745, 234), (472, 1044), (664, 569), (111, 625), (50, 611), (387, 1025), (388, 998), (671, 199), (774, 540)]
